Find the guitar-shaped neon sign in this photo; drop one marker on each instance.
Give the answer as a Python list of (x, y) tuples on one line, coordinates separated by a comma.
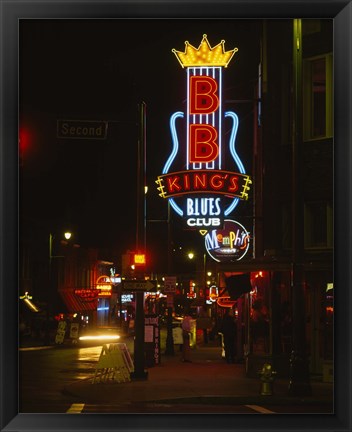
[(203, 188)]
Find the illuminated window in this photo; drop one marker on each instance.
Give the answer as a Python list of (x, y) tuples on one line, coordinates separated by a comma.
[(318, 226), (317, 108)]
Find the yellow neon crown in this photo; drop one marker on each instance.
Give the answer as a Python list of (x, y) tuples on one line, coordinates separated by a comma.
[(204, 55)]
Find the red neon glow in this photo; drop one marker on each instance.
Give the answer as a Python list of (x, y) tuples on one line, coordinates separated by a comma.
[(225, 302), (87, 294), (203, 97), (202, 143), (24, 138), (204, 181)]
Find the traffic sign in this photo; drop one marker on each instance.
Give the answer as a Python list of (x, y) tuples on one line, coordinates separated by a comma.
[(139, 285), (170, 284)]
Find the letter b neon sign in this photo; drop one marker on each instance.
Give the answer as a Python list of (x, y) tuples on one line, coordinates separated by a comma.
[(204, 99), (203, 146)]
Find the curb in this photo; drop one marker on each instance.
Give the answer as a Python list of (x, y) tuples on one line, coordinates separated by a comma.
[(215, 400)]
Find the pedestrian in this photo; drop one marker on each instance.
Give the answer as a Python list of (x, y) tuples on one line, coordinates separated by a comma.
[(186, 330), (204, 322), (228, 329)]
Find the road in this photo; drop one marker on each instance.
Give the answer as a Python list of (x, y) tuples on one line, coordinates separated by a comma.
[(44, 374)]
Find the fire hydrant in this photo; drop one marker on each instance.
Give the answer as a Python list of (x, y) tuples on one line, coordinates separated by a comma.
[(267, 376)]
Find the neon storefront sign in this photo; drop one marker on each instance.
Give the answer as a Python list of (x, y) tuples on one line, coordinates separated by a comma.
[(104, 285), (87, 294), (231, 243), (204, 178)]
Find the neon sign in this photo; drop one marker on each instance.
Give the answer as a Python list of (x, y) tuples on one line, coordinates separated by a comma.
[(231, 243), (87, 294), (210, 181), (104, 286), (199, 178)]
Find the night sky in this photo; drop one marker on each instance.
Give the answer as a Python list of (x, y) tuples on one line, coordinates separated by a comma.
[(101, 70)]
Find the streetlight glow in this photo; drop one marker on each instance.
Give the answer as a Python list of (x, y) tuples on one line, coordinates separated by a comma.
[(67, 235)]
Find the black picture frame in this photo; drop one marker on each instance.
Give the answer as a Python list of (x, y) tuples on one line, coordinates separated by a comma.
[(11, 11)]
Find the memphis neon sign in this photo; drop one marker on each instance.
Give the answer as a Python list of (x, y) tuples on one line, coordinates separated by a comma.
[(231, 243), (198, 178)]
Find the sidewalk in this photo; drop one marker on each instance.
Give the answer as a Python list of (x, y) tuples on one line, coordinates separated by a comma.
[(208, 380)]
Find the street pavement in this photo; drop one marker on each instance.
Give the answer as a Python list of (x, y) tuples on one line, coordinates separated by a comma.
[(208, 381)]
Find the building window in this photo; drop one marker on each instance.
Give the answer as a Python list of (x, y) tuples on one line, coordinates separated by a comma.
[(317, 108), (318, 225)]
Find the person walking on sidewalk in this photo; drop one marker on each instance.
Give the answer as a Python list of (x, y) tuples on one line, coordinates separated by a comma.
[(186, 329), (228, 329)]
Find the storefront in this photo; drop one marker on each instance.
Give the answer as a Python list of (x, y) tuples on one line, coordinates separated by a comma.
[(265, 316)]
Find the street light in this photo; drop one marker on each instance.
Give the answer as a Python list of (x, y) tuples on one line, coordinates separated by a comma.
[(202, 279), (190, 255), (67, 236)]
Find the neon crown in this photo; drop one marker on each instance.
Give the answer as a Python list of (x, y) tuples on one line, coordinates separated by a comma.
[(205, 55)]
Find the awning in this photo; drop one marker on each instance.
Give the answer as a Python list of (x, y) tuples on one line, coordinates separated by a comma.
[(74, 303), (282, 264), (254, 265)]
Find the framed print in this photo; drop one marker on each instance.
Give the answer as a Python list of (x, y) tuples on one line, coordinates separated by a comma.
[(175, 183)]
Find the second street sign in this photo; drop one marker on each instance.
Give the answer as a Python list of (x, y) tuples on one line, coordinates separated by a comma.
[(82, 129), (139, 285)]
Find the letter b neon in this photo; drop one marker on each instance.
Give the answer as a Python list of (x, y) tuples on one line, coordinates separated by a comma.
[(202, 143), (203, 97)]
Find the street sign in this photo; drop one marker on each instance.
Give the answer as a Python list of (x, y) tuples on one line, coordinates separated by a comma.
[(81, 129), (139, 285), (170, 284)]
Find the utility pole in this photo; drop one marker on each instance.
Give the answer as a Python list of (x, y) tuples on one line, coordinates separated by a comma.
[(299, 384), (169, 349), (139, 361)]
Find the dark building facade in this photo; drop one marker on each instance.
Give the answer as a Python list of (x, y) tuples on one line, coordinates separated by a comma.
[(290, 307)]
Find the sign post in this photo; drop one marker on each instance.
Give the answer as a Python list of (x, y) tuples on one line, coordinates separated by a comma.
[(152, 339), (169, 289), (139, 372)]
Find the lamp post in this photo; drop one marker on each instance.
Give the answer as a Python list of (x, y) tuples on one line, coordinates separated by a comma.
[(201, 271), (67, 236)]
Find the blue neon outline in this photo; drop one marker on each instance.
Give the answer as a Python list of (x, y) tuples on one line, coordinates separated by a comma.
[(232, 140), (175, 207), (176, 115), (234, 155)]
